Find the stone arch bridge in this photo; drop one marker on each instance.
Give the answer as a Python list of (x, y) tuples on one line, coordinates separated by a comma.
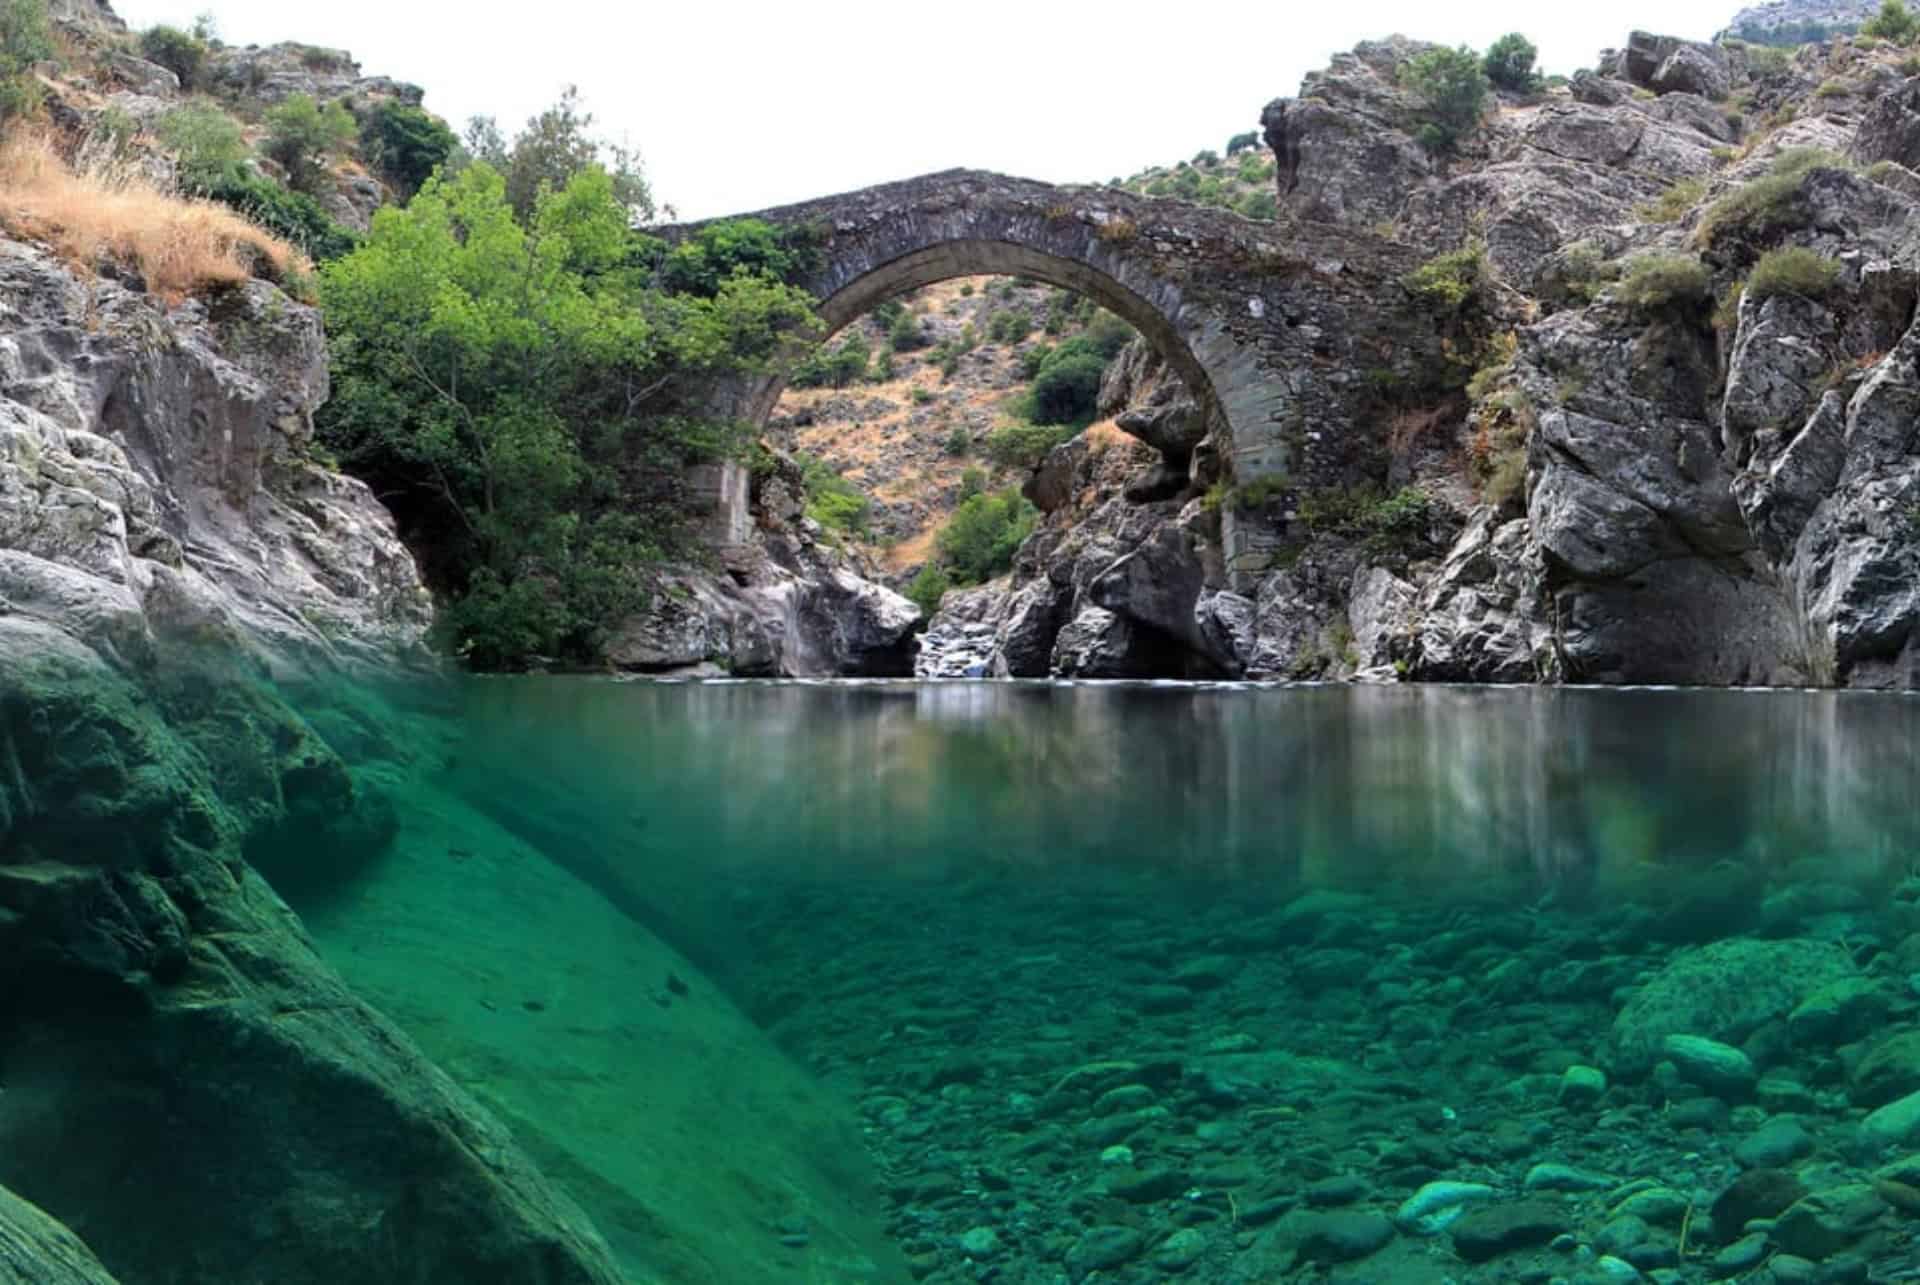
[(1279, 330)]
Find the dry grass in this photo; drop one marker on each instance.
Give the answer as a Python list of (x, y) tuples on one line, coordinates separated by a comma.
[(179, 247)]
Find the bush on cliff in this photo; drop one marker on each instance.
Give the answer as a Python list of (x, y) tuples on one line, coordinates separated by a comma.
[(406, 144), (980, 539), (26, 37), (1449, 90), (1792, 269), (183, 53), (1509, 63), (301, 135), (504, 389), (1894, 22), (1657, 282)]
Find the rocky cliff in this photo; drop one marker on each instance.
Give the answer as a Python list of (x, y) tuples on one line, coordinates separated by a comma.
[(1634, 485)]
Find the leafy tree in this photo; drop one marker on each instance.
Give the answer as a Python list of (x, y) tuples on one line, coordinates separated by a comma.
[(184, 53), (837, 367), (906, 334), (1894, 22), (407, 144), (1509, 63), (984, 533), (555, 145), (1241, 142), (833, 501), (1449, 89), (1067, 388), (26, 37), (301, 134), (210, 153), (504, 387), (928, 587)]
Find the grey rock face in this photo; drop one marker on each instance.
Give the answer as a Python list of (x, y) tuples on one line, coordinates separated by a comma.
[(1890, 128), (157, 470)]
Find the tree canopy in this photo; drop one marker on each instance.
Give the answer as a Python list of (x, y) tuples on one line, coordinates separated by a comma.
[(505, 383)]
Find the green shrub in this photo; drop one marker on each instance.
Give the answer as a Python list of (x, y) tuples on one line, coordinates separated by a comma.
[(1067, 389), (1241, 142), (1894, 22), (958, 442), (1509, 63), (181, 52), (920, 396), (1206, 158), (1009, 325), (906, 334), (1792, 270), (984, 533), (26, 37), (406, 144), (702, 265), (1106, 334), (1449, 89), (291, 216), (837, 366), (927, 589), (1768, 60), (1261, 205), (1448, 282), (1770, 203), (1835, 87), (833, 501), (973, 480), (204, 140), (1673, 203), (1023, 446), (301, 134), (1658, 281)]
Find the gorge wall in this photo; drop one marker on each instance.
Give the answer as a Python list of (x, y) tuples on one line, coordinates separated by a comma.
[(1605, 487)]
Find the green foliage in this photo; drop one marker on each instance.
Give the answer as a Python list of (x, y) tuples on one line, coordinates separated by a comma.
[(1661, 281), (1673, 203), (204, 140), (1449, 89), (958, 442), (1449, 282), (1206, 158), (407, 144), (1894, 22), (292, 216), (1023, 446), (1509, 63), (1835, 87), (1769, 60), (906, 333), (834, 367), (984, 533), (1792, 270), (1261, 205), (1241, 142), (703, 263), (1009, 325), (973, 480), (498, 384), (1067, 388), (26, 37), (1770, 203), (833, 501), (882, 369), (1394, 523), (553, 147), (301, 135), (927, 588), (184, 53)]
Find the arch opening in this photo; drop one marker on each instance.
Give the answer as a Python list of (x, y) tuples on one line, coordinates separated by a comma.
[(866, 288)]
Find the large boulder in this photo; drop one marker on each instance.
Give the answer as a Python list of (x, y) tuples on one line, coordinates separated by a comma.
[(1889, 130), (1723, 991)]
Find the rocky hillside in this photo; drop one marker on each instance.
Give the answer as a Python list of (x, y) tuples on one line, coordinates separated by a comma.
[(1673, 449), (1797, 22)]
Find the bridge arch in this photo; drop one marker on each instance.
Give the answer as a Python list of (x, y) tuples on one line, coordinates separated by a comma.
[(1263, 322)]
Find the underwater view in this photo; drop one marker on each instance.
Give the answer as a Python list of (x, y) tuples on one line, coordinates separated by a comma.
[(1129, 983)]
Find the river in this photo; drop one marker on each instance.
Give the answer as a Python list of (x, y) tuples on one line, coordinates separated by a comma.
[(1133, 982)]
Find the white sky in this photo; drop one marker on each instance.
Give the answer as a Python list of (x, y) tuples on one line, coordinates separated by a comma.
[(740, 106)]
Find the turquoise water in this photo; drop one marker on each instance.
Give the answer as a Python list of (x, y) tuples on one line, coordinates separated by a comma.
[(733, 983), (1126, 983)]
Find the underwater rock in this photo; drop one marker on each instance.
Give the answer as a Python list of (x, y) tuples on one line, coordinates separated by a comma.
[(36, 1250)]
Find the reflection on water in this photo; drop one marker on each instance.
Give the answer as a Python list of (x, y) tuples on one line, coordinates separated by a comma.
[(1439, 787)]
